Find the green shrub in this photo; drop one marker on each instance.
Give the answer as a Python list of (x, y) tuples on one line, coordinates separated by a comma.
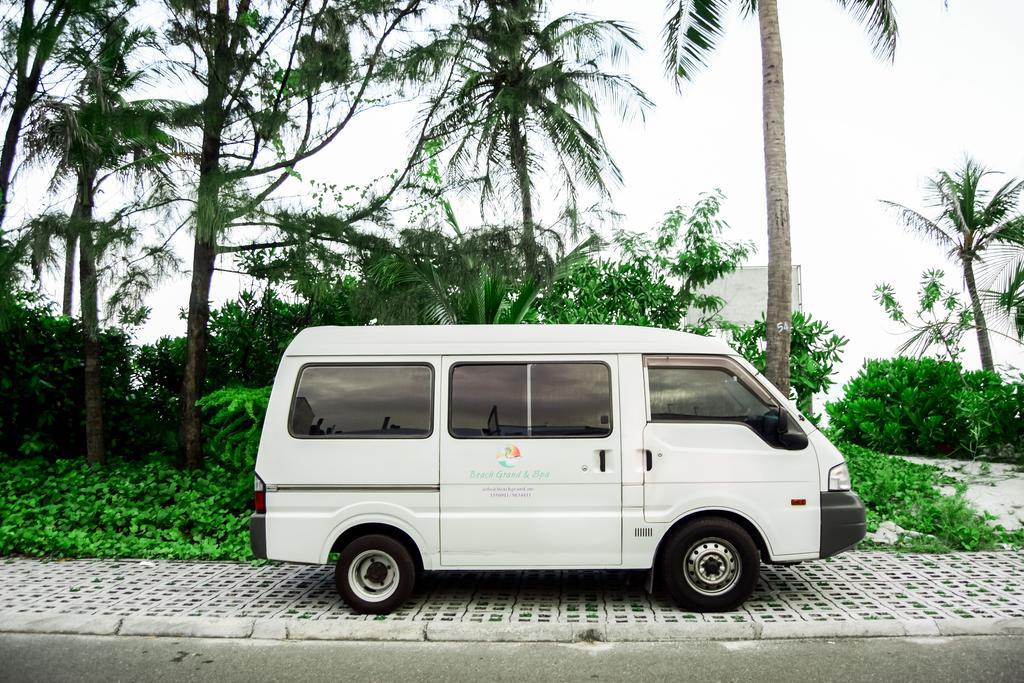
[(248, 335), (922, 405), (909, 494), (42, 373), (42, 389), (67, 508), (234, 424)]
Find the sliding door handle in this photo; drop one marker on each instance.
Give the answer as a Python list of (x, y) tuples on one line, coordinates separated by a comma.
[(600, 454), (650, 459)]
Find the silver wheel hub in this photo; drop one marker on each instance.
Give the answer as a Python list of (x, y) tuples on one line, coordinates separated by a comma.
[(712, 566), (373, 575)]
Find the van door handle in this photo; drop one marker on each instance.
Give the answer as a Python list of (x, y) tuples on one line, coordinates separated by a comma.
[(650, 460), (600, 454)]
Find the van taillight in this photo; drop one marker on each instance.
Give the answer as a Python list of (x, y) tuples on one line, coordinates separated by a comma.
[(259, 498)]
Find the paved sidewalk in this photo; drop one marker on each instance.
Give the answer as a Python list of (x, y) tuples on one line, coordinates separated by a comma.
[(859, 593)]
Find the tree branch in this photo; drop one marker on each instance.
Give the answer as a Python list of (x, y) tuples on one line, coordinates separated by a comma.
[(303, 153)]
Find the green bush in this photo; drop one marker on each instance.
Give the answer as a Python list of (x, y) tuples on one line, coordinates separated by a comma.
[(67, 508), (909, 494), (42, 389), (926, 406), (234, 424), (248, 336), (42, 373)]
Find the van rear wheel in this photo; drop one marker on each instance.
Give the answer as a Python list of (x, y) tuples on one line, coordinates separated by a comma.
[(375, 574), (710, 565)]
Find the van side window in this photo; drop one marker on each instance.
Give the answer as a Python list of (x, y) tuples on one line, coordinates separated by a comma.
[(363, 401), (488, 401), (702, 394), (530, 400), (570, 399)]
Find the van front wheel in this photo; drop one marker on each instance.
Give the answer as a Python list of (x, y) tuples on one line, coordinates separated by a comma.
[(375, 574), (710, 565)]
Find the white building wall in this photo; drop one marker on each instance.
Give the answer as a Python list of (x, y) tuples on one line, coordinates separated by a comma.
[(746, 294)]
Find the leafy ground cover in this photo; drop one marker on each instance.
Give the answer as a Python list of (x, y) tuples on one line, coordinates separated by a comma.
[(67, 508), (910, 494), (154, 510)]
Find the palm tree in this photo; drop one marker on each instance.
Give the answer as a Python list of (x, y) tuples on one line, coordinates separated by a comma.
[(95, 136), (692, 32), (1008, 301), (528, 99), (970, 220), (1002, 277), (477, 291)]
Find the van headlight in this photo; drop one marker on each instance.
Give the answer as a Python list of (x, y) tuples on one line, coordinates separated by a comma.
[(839, 478)]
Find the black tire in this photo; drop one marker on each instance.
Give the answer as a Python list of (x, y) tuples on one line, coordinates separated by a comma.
[(383, 578), (710, 565)]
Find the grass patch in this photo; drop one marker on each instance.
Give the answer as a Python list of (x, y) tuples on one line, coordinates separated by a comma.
[(896, 490), (124, 509)]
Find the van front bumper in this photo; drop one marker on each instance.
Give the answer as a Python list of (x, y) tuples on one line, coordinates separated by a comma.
[(258, 536), (843, 522)]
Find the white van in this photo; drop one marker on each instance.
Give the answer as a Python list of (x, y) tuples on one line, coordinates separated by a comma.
[(405, 449)]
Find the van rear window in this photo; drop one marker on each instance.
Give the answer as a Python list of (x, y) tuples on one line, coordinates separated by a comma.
[(363, 401), (530, 400)]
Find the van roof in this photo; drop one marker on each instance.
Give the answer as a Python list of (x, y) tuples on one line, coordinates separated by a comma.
[(479, 340)]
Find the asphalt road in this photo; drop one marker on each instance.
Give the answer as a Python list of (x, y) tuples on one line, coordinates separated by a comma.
[(121, 658)]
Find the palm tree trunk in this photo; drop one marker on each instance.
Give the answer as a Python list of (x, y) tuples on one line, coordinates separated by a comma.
[(70, 247), (208, 225), (779, 315), (980, 326), (95, 452), (520, 163)]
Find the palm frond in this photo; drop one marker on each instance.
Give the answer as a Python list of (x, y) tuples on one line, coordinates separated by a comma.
[(879, 19), (1002, 258), (921, 225), (516, 68), (1005, 305), (1001, 216), (523, 302), (692, 32)]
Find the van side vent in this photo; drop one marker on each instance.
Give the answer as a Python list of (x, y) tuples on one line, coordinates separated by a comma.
[(644, 532)]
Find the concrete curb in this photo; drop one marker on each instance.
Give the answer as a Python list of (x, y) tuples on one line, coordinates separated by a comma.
[(304, 629), (976, 627), (493, 632), (74, 624), (187, 627), (834, 629), (663, 632), (496, 632)]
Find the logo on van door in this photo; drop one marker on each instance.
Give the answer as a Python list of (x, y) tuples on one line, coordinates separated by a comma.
[(510, 457)]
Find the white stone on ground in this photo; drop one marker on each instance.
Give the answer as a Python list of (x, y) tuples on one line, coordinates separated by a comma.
[(996, 488)]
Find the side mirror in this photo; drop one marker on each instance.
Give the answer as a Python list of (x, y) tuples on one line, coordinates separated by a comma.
[(793, 441)]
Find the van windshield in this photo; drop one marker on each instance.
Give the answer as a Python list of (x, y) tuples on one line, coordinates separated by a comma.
[(684, 393)]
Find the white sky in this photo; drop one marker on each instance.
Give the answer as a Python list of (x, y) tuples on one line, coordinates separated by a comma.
[(858, 130)]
